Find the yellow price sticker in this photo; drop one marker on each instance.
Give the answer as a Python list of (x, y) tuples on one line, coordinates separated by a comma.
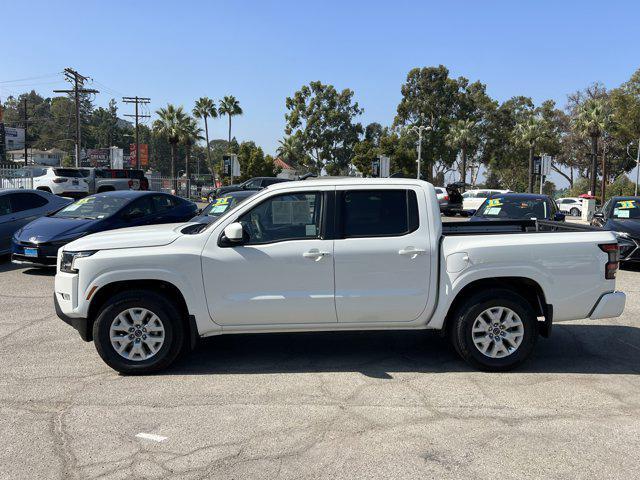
[(626, 204), (222, 201), (494, 202)]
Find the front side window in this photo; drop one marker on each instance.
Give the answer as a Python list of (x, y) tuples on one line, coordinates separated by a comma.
[(5, 205), (162, 203), (292, 216), (379, 213), (140, 208), (253, 184)]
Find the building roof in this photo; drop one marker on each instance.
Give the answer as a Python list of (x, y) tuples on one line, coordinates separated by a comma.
[(282, 164), (32, 151)]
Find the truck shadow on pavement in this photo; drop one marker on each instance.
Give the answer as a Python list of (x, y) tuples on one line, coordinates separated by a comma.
[(588, 349)]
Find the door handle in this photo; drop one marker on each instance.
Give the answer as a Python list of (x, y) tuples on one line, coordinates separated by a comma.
[(414, 252), (315, 254)]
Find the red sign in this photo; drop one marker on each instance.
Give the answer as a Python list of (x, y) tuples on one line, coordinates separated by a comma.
[(144, 155)]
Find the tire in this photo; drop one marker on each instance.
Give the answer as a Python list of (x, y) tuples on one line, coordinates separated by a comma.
[(466, 315), (170, 320), (574, 212)]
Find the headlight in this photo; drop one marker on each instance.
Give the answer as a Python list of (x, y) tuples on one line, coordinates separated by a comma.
[(67, 263)]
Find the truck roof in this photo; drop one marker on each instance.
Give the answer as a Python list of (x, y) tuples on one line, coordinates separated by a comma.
[(328, 181)]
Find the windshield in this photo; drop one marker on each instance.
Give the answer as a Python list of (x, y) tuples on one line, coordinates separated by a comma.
[(222, 205), (67, 172), (628, 208), (513, 207), (99, 206)]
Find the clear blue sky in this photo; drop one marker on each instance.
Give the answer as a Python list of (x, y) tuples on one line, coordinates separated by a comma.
[(262, 52)]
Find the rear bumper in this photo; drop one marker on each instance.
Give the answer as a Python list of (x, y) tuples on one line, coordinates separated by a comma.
[(80, 324), (609, 305)]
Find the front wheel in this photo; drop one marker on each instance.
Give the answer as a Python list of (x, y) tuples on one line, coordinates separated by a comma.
[(574, 212), (494, 330), (138, 332)]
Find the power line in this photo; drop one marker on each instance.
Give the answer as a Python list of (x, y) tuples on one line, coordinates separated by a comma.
[(78, 83), (31, 78), (138, 101)]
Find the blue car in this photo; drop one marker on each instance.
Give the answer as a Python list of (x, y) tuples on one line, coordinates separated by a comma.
[(19, 207), (518, 206), (37, 243)]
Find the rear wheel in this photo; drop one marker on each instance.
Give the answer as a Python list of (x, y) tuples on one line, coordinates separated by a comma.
[(138, 332), (494, 330), (574, 212)]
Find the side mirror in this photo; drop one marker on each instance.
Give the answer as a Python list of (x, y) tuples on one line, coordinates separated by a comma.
[(234, 232), (471, 213), (559, 217)]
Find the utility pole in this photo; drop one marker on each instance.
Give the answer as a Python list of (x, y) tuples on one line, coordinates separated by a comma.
[(78, 87), (25, 122), (137, 101)]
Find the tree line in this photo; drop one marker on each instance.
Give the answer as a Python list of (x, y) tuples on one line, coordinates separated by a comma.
[(466, 132)]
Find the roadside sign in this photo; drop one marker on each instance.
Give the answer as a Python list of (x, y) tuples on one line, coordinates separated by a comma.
[(546, 165)]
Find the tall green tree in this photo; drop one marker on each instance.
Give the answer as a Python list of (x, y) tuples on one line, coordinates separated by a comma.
[(230, 107), (464, 137), (204, 109), (528, 132), (190, 134), (290, 149), (592, 119), (170, 124), (324, 121)]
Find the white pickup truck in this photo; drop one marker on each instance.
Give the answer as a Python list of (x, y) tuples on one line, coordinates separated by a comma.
[(334, 254)]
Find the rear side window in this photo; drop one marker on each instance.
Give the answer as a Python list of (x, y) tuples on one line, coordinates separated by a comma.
[(26, 201), (5, 205), (67, 172), (163, 203), (379, 213)]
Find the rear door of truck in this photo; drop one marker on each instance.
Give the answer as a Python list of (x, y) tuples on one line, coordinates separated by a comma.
[(382, 253)]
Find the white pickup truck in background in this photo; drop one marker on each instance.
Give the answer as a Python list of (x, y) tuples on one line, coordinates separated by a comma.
[(334, 254), (99, 180)]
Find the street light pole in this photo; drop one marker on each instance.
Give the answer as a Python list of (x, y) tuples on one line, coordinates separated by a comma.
[(419, 129), (637, 168)]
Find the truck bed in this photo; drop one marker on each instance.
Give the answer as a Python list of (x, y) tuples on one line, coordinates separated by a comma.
[(494, 227)]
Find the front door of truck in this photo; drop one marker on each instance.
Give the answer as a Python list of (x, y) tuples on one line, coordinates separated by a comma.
[(282, 273)]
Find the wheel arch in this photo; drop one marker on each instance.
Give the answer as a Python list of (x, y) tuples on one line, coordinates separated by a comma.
[(166, 289), (527, 288)]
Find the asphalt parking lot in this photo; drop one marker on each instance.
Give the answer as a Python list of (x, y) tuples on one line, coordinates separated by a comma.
[(324, 405)]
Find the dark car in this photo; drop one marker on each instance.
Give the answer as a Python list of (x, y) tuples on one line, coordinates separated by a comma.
[(256, 183), (518, 206), (622, 216), (222, 205), (19, 207), (38, 242)]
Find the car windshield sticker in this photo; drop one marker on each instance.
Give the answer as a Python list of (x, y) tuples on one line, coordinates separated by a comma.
[(626, 205), (621, 213), (310, 230), (74, 206), (493, 210), (219, 208)]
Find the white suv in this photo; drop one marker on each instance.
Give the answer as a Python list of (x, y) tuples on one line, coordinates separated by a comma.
[(66, 182), (570, 205), (473, 199)]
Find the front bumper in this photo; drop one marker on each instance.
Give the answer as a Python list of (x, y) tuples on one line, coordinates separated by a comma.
[(609, 305), (82, 325), (47, 254)]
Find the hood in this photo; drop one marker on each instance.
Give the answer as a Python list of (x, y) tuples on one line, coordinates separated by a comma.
[(51, 229), (131, 237), (631, 226)]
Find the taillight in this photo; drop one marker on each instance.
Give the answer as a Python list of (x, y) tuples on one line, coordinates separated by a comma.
[(130, 184), (446, 197), (59, 180), (613, 260)]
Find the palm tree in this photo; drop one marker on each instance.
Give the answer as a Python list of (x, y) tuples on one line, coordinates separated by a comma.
[(189, 136), (230, 106), (463, 136), (205, 108), (170, 125), (527, 133), (592, 119)]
